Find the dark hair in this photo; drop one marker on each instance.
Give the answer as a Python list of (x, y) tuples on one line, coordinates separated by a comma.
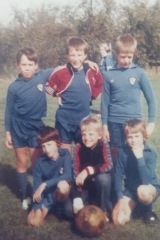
[(47, 134), (29, 53), (134, 126), (77, 43)]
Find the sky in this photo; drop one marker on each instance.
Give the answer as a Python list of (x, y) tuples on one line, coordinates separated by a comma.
[(6, 6)]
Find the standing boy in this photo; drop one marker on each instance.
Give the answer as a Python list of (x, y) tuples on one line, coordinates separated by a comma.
[(121, 95), (25, 107), (51, 176), (136, 163), (92, 165), (76, 85)]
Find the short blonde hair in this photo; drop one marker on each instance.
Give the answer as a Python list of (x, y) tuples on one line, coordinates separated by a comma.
[(77, 43), (91, 122), (126, 43), (134, 126)]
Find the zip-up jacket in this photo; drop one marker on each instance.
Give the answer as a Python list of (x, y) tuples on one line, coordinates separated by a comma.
[(62, 77)]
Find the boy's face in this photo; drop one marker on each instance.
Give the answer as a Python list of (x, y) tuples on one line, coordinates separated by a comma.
[(103, 52), (50, 149), (76, 57), (125, 59), (135, 140), (26, 67), (90, 137)]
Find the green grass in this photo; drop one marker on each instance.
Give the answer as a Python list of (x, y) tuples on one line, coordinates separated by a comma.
[(13, 220)]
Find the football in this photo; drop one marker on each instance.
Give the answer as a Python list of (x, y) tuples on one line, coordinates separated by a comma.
[(90, 221)]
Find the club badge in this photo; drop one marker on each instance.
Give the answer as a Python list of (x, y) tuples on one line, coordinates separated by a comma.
[(40, 87), (112, 81), (61, 170), (132, 81)]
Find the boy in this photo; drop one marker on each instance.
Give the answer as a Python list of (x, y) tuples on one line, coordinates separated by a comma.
[(51, 176), (77, 85), (121, 95), (107, 61), (92, 165), (25, 107), (137, 163)]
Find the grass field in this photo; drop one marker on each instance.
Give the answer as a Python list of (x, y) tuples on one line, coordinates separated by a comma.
[(13, 220)]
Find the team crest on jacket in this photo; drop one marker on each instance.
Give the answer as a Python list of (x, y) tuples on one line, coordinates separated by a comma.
[(40, 87), (132, 81), (112, 81)]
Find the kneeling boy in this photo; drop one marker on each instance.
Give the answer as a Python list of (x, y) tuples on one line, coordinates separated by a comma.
[(137, 163), (92, 166), (51, 176)]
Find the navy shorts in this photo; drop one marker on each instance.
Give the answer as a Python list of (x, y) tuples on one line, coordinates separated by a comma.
[(117, 137), (24, 133), (68, 132)]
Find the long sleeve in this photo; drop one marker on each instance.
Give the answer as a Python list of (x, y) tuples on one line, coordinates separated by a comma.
[(65, 172), (105, 100), (149, 95), (146, 167), (10, 101)]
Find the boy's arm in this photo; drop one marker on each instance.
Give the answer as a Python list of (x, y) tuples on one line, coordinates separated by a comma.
[(52, 84), (149, 95), (66, 173), (9, 140), (9, 110), (105, 101), (146, 167), (92, 65)]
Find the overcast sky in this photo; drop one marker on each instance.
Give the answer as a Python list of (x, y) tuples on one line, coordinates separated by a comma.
[(6, 6)]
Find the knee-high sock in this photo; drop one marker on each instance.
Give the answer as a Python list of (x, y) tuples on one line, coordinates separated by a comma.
[(22, 179)]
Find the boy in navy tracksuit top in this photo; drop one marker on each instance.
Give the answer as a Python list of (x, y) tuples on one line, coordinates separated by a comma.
[(76, 85), (51, 176), (136, 164), (92, 165), (25, 107), (121, 94)]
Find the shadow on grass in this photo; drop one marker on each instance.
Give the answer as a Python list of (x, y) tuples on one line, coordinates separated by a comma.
[(8, 178)]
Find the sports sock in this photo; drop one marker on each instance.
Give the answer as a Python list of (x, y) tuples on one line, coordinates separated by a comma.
[(22, 179)]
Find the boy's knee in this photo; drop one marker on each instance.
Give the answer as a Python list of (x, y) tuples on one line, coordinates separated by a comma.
[(146, 193), (63, 187), (143, 192)]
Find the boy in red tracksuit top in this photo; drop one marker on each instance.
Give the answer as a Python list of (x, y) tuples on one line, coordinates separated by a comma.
[(76, 85), (92, 165)]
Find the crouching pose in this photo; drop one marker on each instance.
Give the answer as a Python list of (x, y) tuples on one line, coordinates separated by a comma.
[(92, 168), (51, 176), (137, 163)]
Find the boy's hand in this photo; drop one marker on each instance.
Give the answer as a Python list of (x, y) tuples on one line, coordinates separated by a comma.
[(138, 151), (119, 207), (59, 101), (38, 193), (81, 177), (92, 65), (106, 134), (9, 140), (150, 128)]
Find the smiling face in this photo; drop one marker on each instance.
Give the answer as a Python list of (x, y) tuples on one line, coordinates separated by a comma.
[(26, 67), (135, 140), (90, 136), (125, 59), (50, 148), (76, 57)]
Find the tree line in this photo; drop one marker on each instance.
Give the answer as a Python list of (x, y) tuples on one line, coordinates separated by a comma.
[(47, 28)]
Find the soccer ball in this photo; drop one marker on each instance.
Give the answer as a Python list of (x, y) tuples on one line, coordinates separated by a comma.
[(90, 221)]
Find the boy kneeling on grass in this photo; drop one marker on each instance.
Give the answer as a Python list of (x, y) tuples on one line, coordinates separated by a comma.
[(137, 163), (51, 176), (92, 165)]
